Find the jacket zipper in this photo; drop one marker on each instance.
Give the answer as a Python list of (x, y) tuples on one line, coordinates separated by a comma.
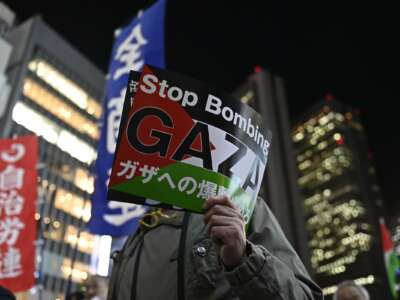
[(181, 257), (136, 268)]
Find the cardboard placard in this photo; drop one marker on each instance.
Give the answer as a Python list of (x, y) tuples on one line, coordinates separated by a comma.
[(183, 142)]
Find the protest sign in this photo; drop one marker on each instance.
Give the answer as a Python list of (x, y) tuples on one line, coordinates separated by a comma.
[(18, 193), (140, 42), (129, 212), (184, 142)]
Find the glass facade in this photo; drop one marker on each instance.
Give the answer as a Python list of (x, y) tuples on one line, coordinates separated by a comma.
[(338, 206), (65, 116)]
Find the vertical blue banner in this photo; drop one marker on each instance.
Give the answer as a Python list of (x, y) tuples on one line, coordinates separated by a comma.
[(141, 42)]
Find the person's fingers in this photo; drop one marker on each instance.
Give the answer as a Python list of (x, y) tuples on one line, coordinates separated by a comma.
[(224, 235), (216, 220), (221, 210), (221, 200)]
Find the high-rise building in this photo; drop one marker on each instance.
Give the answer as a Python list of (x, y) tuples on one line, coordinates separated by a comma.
[(341, 198), (56, 93), (265, 93), (6, 21)]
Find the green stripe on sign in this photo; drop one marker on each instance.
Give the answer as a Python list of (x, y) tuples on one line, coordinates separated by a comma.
[(186, 180)]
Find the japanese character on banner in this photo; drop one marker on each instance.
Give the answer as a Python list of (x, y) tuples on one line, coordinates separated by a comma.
[(11, 203), (10, 263), (148, 173), (11, 178), (187, 184), (15, 154), (207, 189), (115, 106), (9, 230), (18, 195), (129, 169), (222, 191), (133, 85), (168, 178), (129, 54), (128, 211)]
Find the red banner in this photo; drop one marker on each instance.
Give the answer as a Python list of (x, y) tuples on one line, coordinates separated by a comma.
[(18, 193)]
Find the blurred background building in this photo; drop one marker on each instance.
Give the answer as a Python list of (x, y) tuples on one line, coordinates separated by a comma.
[(7, 17), (342, 201), (266, 94), (55, 93)]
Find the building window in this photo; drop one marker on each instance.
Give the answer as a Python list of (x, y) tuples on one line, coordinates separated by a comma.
[(84, 180), (72, 204), (79, 272), (65, 86), (85, 241), (43, 97), (53, 133)]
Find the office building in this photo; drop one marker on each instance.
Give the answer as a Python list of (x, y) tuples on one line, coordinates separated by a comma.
[(341, 199), (265, 93), (55, 93)]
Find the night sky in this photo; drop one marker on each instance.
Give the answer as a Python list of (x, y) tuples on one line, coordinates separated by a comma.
[(318, 49)]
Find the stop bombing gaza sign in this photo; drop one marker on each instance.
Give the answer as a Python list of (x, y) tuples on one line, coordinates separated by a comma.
[(182, 141)]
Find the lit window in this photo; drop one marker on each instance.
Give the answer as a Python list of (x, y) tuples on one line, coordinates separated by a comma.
[(54, 231), (78, 274), (75, 146), (330, 126), (305, 164), (59, 108), (85, 240), (65, 86), (323, 120), (51, 132), (84, 180), (247, 97), (339, 117), (337, 136), (322, 145), (72, 204), (298, 136)]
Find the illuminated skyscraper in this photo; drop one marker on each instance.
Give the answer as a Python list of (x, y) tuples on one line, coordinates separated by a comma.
[(56, 94), (341, 198)]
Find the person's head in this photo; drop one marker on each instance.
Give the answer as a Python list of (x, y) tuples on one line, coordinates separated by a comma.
[(5, 294), (349, 290), (96, 286), (75, 296), (92, 286)]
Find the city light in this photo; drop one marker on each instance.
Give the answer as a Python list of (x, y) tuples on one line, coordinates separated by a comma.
[(72, 204), (65, 86), (59, 108), (54, 134), (103, 246)]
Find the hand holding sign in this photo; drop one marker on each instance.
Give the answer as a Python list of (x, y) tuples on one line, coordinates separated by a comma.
[(226, 228)]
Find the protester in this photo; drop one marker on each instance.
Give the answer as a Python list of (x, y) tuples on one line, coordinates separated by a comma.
[(349, 290), (75, 296), (96, 288), (176, 255)]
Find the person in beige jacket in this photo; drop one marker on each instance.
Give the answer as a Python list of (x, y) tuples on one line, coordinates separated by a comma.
[(183, 256)]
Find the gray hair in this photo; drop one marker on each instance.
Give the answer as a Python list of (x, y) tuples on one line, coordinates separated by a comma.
[(360, 290)]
